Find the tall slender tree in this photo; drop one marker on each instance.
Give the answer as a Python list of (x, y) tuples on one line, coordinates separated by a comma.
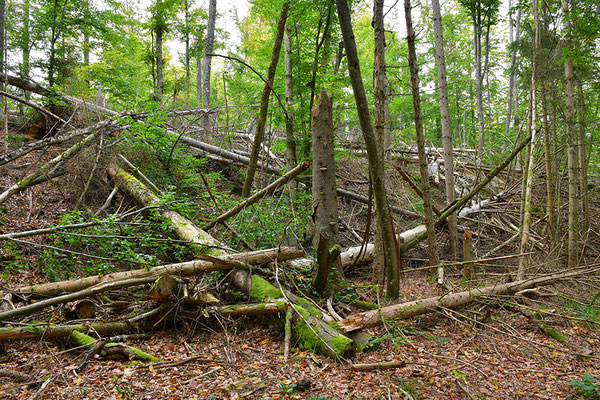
[(210, 39), (383, 217), (447, 139), (572, 159), (264, 102), (425, 186)]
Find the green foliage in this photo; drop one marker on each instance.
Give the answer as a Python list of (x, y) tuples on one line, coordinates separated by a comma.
[(590, 312), (114, 246), (12, 260), (586, 387), (413, 388), (287, 388), (321, 397)]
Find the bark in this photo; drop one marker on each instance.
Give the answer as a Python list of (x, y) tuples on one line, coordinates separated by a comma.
[(290, 140), (582, 147), (380, 118), (48, 171), (260, 194), (572, 156), (379, 366), (549, 165), (425, 187), (25, 65), (383, 218), (414, 186), (264, 102), (186, 10), (447, 139), (34, 106), (198, 82), (182, 269), (413, 308), (243, 310), (468, 256), (210, 39), (88, 342), (528, 178), (324, 200), (512, 83)]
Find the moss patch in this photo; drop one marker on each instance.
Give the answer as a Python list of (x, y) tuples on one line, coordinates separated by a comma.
[(263, 290)]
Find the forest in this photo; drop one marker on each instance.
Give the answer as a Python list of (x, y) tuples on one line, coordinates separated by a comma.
[(324, 199)]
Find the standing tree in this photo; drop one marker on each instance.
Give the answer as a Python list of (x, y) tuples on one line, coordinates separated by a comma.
[(483, 15), (324, 200), (425, 186), (264, 102), (528, 178), (383, 216), (290, 140), (445, 121), (572, 161), (210, 39)]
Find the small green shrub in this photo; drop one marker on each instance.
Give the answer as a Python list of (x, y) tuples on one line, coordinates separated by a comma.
[(586, 387)]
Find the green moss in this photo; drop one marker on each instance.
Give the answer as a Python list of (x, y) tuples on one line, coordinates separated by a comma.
[(82, 339), (263, 290), (341, 344), (309, 306), (334, 325), (143, 355), (35, 330)]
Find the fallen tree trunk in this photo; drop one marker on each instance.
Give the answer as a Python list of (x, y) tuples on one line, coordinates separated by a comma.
[(182, 269), (413, 308), (51, 141), (260, 194), (55, 331), (47, 171), (408, 239), (311, 332), (365, 200), (183, 227)]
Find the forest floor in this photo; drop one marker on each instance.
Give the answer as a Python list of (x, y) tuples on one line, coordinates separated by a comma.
[(488, 350)]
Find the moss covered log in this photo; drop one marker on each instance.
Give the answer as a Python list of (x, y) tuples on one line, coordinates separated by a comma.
[(83, 340)]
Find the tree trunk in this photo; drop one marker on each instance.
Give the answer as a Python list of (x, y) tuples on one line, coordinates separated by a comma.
[(187, 51), (549, 164), (512, 83), (160, 82), (582, 146), (572, 158), (383, 218), (425, 187), (413, 308), (198, 82), (210, 38), (479, 80), (528, 178), (290, 140), (25, 66), (264, 102), (446, 129), (310, 330), (380, 120), (324, 200)]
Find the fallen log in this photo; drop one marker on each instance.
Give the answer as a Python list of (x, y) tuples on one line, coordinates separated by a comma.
[(239, 310), (413, 308), (310, 330), (48, 170), (183, 227), (260, 194), (183, 269), (365, 200), (54, 331), (88, 342)]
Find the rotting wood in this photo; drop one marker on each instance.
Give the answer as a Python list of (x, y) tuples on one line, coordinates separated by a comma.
[(239, 310), (35, 107), (84, 340), (451, 300), (365, 200), (260, 194)]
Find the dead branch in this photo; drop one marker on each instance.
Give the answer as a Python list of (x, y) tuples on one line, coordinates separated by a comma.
[(378, 366), (35, 107), (260, 194), (183, 269), (47, 171), (452, 300)]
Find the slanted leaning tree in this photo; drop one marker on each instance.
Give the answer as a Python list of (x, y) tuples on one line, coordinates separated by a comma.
[(264, 102), (383, 217)]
